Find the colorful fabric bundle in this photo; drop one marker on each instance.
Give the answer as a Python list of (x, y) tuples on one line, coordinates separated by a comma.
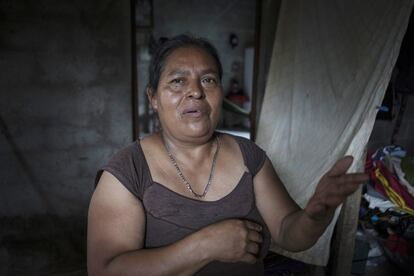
[(386, 175)]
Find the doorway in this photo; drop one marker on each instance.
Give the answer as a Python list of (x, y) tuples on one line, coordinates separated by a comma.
[(229, 25)]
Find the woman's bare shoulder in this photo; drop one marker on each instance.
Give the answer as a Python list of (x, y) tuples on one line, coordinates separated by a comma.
[(231, 148), (150, 144)]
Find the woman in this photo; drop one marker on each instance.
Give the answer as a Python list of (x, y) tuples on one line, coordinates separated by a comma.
[(188, 200)]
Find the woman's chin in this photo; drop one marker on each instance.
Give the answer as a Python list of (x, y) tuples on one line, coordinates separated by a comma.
[(204, 130)]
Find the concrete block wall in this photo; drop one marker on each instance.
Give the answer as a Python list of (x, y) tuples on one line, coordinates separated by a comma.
[(65, 100), (65, 108)]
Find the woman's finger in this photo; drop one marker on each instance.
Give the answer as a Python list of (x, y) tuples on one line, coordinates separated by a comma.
[(252, 248), (343, 189), (352, 177), (255, 236), (253, 226), (249, 258), (341, 166)]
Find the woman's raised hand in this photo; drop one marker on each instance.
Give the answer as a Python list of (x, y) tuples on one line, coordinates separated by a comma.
[(333, 188), (233, 240)]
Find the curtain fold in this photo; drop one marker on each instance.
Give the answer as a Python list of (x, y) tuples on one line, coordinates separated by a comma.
[(331, 64)]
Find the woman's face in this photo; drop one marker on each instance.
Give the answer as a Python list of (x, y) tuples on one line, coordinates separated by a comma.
[(189, 95)]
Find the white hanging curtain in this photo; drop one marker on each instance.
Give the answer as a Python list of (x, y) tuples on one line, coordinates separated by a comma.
[(331, 64)]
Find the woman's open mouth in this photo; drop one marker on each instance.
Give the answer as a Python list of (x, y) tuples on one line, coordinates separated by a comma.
[(193, 112)]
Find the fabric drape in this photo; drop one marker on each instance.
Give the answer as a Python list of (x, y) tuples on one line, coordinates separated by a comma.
[(331, 64)]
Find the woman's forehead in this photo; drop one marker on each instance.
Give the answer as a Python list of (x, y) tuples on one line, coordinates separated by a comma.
[(186, 57)]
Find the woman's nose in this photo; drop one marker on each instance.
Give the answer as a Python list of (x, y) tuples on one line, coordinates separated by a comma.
[(195, 91)]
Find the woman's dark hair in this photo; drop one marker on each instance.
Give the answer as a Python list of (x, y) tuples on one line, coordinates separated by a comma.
[(166, 46)]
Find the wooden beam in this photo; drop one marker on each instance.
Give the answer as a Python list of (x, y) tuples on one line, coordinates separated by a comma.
[(343, 242), (257, 36), (134, 77)]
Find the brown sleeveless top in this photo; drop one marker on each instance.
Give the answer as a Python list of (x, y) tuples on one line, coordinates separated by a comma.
[(171, 216)]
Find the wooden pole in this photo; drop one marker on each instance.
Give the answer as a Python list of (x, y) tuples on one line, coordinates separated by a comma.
[(343, 243), (253, 115), (134, 77)]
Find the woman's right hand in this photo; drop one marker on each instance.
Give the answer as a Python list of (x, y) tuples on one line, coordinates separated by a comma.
[(233, 240)]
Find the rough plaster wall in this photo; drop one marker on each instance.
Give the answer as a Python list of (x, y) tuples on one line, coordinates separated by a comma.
[(214, 20), (65, 91), (65, 100)]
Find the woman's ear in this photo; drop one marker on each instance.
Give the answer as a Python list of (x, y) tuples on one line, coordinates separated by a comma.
[(152, 98)]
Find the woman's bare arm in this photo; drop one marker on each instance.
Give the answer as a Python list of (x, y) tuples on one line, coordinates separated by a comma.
[(291, 227), (116, 231)]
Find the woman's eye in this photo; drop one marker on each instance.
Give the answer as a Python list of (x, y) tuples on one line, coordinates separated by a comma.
[(210, 81), (177, 81)]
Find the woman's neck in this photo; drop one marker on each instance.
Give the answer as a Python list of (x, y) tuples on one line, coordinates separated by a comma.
[(185, 150)]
